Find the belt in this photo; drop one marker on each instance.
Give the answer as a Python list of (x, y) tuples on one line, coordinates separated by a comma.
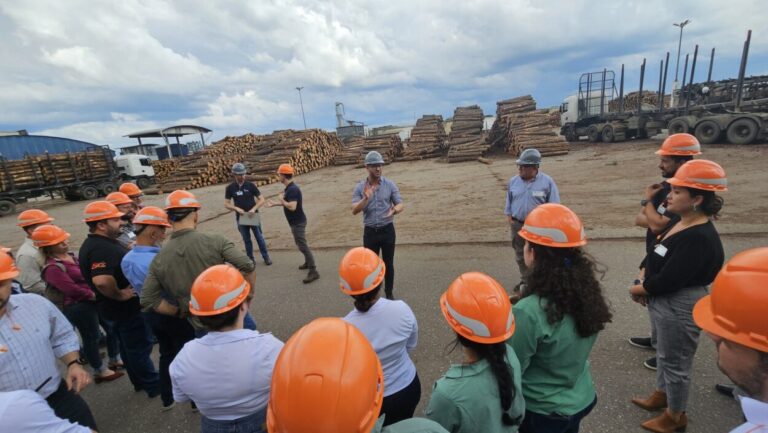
[(379, 228)]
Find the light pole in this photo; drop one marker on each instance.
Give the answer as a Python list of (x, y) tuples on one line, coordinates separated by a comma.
[(676, 85), (302, 107)]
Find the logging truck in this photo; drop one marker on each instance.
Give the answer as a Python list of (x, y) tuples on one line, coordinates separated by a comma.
[(738, 113), (83, 175)]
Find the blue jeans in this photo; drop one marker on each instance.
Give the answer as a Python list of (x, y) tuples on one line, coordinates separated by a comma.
[(248, 323), (255, 423), (136, 347), (245, 232), (85, 317), (554, 423)]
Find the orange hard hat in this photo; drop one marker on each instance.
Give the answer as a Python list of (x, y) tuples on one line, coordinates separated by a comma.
[(360, 271), (285, 169), (8, 269), (118, 198), (151, 215), (48, 235), (553, 225), (478, 308), (681, 144), (130, 189), (32, 217), (217, 290), (327, 379), (735, 310), (181, 199), (701, 174), (100, 210)]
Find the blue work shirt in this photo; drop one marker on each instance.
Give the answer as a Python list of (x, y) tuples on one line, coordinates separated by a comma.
[(524, 196), (386, 195), (136, 263)]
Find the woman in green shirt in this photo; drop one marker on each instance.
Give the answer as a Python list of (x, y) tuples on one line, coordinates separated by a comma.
[(557, 321), (483, 393)]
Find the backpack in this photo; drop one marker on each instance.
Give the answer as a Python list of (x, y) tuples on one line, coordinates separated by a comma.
[(52, 293)]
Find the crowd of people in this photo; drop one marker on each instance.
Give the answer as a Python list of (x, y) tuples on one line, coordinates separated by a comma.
[(524, 353)]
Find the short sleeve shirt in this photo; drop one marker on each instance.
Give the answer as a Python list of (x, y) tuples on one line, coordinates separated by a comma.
[(244, 195), (293, 193), (100, 255)]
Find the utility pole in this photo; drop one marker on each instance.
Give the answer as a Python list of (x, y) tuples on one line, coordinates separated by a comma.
[(302, 107), (676, 84)]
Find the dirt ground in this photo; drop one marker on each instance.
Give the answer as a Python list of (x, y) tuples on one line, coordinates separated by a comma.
[(463, 202)]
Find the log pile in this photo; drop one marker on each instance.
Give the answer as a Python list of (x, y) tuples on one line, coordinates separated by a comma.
[(650, 101), (351, 151), (390, 146), (519, 126), (305, 150), (466, 142), (55, 168), (427, 139)]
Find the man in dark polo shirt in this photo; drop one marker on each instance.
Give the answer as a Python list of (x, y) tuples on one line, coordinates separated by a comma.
[(100, 257), (244, 198), (291, 201)]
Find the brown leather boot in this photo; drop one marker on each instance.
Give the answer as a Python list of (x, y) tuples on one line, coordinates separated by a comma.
[(666, 423), (657, 400)]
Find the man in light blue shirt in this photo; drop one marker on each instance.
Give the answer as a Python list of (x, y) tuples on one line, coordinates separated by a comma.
[(378, 198), (525, 191)]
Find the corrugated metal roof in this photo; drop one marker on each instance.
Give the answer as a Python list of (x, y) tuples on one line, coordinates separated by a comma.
[(16, 146)]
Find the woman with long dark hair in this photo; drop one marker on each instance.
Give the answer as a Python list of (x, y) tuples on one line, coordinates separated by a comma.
[(390, 327), (482, 394), (687, 257), (558, 321), (61, 273)]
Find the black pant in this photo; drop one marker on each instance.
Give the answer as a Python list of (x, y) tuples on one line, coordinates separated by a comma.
[(171, 333), (70, 406), (554, 423), (400, 405), (382, 240)]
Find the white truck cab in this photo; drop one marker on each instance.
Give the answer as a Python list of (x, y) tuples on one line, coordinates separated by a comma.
[(568, 110), (135, 167)]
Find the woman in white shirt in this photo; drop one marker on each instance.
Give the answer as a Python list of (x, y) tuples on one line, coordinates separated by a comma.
[(227, 373), (390, 327)]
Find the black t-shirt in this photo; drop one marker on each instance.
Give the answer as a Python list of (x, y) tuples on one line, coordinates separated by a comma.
[(659, 202), (100, 255), (244, 196), (688, 258), (293, 193)]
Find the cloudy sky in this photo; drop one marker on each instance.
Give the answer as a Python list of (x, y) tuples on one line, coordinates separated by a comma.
[(97, 70)]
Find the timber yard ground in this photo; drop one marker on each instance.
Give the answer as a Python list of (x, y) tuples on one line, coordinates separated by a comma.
[(453, 223)]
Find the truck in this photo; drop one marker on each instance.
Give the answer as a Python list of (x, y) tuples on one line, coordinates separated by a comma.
[(81, 175), (738, 112)]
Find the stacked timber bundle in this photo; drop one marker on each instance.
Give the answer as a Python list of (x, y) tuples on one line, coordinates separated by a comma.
[(504, 110), (533, 130), (554, 118), (466, 141), (54, 169), (305, 150), (164, 168), (650, 100), (351, 151), (427, 139), (390, 146)]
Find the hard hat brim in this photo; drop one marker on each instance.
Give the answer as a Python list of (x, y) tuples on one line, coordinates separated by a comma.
[(706, 320), (464, 332)]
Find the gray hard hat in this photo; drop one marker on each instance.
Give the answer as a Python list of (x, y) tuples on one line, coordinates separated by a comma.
[(238, 168), (529, 157), (373, 158)]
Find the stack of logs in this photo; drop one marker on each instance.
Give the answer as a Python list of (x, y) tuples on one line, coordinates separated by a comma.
[(466, 141), (427, 139), (351, 151), (650, 100), (390, 146), (305, 150), (519, 126), (54, 169)]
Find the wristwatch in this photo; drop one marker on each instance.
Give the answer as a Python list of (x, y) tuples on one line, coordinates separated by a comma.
[(76, 361), (643, 202)]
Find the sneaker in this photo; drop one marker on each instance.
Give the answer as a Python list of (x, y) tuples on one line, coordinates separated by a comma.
[(650, 363), (268, 261), (311, 276), (304, 267), (641, 342), (725, 390), (167, 407)]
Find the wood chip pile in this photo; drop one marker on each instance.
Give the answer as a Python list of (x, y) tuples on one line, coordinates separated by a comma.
[(427, 139), (519, 126), (305, 150), (466, 142)]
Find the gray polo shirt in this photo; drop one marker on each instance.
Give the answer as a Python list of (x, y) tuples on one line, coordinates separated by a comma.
[(385, 196)]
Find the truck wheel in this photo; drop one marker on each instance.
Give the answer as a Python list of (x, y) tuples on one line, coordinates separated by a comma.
[(143, 182), (708, 132), (89, 192), (742, 131), (107, 188), (570, 134), (7, 207), (608, 134), (677, 126), (593, 134)]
